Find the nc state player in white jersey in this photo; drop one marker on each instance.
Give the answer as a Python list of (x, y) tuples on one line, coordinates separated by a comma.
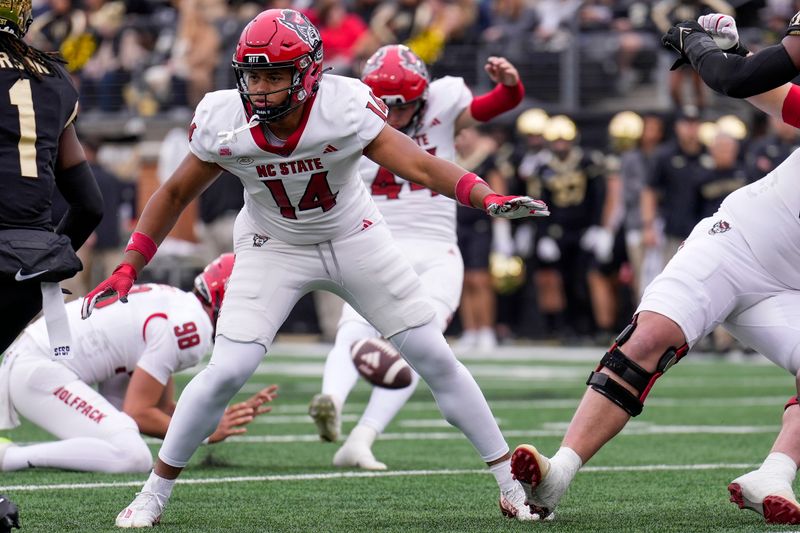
[(737, 268), (295, 139), (130, 353), (431, 114)]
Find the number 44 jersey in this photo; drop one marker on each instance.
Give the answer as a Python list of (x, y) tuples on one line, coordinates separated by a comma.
[(33, 114), (306, 190), (161, 329)]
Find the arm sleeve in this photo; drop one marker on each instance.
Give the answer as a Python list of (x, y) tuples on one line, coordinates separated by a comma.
[(736, 76), (80, 190)]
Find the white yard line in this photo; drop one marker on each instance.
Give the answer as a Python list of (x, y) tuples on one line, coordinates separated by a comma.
[(350, 475)]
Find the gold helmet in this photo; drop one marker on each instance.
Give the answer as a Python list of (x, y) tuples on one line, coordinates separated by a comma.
[(733, 126), (508, 273), (625, 130), (532, 122), (15, 17), (560, 127)]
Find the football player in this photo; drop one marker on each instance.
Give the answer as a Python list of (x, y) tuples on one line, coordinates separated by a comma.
[(130, 352), (431, 113), (38, 149), (294, 137), (738, 268)]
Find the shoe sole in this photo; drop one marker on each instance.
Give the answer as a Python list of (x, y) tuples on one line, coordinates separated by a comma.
[(323, 412), (529, 470), (774, 509)]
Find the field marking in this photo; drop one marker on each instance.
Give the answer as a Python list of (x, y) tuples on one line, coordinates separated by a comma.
[(351, 475)]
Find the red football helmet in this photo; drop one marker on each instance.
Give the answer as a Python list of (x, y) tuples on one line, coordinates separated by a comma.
[(279, 38), (398, 77), (209, 285)]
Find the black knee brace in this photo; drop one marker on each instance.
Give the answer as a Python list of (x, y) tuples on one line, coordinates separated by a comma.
[(630, 372)]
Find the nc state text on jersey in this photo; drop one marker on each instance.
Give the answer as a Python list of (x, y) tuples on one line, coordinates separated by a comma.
[(270, 170)]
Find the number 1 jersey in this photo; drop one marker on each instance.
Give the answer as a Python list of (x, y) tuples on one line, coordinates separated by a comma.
[(33, 114)]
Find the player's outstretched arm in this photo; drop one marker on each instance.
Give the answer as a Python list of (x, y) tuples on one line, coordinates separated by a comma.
[(505, 96), (160, 214), (141, 403), (731, 74), (400, 155)]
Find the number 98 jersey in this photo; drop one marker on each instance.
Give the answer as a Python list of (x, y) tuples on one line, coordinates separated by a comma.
[(33, 114), (161, 329)]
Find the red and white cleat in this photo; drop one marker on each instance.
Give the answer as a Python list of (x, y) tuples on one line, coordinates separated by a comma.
[(512, 505), (544, 485), (768, 495), (144, 511)]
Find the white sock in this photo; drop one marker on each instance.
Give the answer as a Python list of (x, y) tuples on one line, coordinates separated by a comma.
[(568, 460), (159, 485), (780, 464), (502, 473), (362, 436)]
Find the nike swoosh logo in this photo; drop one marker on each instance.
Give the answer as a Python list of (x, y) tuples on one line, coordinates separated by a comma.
[(19, 276)]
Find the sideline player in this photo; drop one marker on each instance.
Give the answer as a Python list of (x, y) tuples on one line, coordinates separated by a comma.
[(38, 149), (431, 114), (738, 269), (294, 137), (130, 352)]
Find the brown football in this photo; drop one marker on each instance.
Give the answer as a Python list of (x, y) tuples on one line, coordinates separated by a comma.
[(380, 363)]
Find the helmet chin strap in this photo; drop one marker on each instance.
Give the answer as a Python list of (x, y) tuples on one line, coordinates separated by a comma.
[(228, 136)]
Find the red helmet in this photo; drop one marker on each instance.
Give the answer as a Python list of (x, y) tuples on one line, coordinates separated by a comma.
[(398, 77), (209, 285), (279, 38)]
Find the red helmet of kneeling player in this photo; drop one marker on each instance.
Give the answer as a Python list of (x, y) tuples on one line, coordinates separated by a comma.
[(210, 284), (278, 39), (399, 78)]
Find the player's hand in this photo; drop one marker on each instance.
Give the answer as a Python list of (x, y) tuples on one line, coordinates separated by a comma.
[(514, 206), (676, 36), (721, 28), (599, 241), (240, 414), (547, 250), (120, 281), (500, 70)]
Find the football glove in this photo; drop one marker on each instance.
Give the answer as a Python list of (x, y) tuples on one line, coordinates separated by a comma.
[(547, 250), (675, 38), (120, 281), (600, 242), (514, 206), (9, 515)]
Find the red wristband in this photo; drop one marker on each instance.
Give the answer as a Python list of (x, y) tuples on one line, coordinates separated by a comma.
[(790, 112), (464, 187), (143, 244), (497, 101)]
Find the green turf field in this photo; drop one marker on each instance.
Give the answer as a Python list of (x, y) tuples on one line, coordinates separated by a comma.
[(705, 423)]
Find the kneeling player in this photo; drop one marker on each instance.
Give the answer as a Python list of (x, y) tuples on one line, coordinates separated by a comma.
[(130, 352)]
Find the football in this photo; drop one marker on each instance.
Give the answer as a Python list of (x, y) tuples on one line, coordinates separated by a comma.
[(380, 363)]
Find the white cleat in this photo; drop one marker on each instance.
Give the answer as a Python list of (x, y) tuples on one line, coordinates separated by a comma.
[(544, 486), (355, 456), (322, 410), (144, 511), (512, 505), (768, 495)]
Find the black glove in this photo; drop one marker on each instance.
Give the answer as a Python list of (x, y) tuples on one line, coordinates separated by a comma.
[(675, 38)]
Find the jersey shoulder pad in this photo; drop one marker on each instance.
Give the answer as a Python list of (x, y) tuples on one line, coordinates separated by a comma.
[(218, 111)]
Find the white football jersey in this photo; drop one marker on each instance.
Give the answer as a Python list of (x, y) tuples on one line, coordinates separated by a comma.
[(161, 329), (767, 212), (308, 190), (412, 211)]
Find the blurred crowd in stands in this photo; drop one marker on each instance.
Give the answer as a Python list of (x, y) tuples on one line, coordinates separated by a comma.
[(624, 187)]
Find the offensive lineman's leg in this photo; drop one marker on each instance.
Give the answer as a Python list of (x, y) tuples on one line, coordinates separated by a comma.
[(199, 410), (771, 327), (596, 421)]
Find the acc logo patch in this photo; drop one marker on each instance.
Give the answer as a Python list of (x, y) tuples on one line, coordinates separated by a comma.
[(719, 227)]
